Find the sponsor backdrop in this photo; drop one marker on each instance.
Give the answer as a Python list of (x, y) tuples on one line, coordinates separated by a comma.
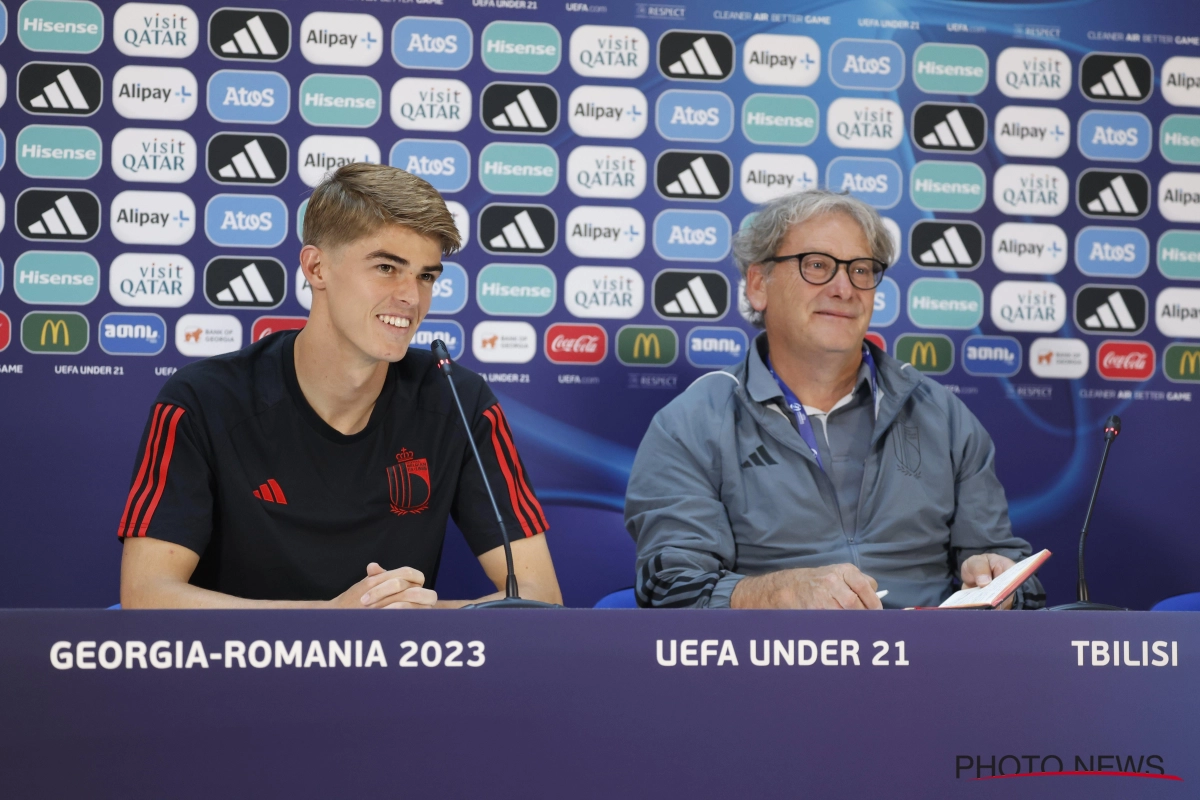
[(1039, 166)]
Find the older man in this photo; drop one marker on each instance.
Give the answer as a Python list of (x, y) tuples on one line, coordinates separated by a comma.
[(820, 469)]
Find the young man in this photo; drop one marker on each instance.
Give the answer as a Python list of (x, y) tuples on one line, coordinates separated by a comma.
[(317, 469)]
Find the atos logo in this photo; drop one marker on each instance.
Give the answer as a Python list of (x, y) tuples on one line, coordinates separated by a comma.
[(1112, 252), (449, 331), (341, 39), (166, 93), (991, 356), (236, 95), (687, 116), (246, 220), (445, 165), (576, 343), (265, 326), (152, 218), (432, 43), (153, 30), (1115, 136), (887, 303), (692, 235), (249, 34), (715, 348), (450, 290), (876, 181), (866, 64), (766, 176), (130, 334), (1125, 361)]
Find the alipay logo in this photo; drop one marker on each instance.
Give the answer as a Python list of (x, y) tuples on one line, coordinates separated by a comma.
[(1034, 73), (991, 356), (505, 168), (606, 172), (607, 232), (1032, 132), (154, 155), (432, 43), (165, 93), (715, 348), (864, 124), (534, 48), (445, 165), (154, 30), (203, 335), (689, 116), (945, 303), (1179, 197), (877, 181), (54, 26), (341, 39), (887, 303), (319, 155), (240, 95), (604, 292), (1112, 252), (430, 104), (1023, 190), (127, 334), (609, 51), (516, 290), (245, 220), (347, 101), (773, 59), (450, 290), (1115, 136), (1029, 248), (1028, 306), (154, 280), (948, 186), (449, 331), (249, 34), (152, 218), (42, 277), (58, 151), (1177, 312), (692, 235), (866, 64), (74, 90), (607, 112), (766, 176), (1181, 81)]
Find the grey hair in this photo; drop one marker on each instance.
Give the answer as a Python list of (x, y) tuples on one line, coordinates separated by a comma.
[(760, 238)]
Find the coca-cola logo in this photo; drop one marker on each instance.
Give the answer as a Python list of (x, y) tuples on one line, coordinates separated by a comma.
[(1125, 361), (576, 344)]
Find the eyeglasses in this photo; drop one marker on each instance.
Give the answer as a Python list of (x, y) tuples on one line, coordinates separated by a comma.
[(821, 268)]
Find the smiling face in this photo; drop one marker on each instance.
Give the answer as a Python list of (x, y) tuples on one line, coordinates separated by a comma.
[(373, 292), (800, 317)]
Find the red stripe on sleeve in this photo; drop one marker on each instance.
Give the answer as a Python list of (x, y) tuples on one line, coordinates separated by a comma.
[(512, 488), (535, 512), (162, 472), (131, 527), (275, 487), (142, 470)]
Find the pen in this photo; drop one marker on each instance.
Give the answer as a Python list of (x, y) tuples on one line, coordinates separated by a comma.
[(882, 593)]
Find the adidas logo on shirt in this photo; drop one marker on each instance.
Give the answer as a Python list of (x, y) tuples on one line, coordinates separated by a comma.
[(695, 55), (690, 294), (759, 458), (950, 245), (58, 215), (247, 34), (519, 108), (66, 89), (517, 229), (687, 175), (1110, 193), (1116, 77), (944, 127), (260, 158), (245, 282), (1110, 310), (271, 491)]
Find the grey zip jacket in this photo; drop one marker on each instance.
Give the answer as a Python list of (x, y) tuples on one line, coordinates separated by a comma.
[(704, 514)]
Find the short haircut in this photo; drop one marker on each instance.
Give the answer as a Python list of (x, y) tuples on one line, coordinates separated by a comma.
[(357, 199), (771, 223)]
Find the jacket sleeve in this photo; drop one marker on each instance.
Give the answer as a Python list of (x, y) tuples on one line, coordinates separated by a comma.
[(686, 554), (981, 523)]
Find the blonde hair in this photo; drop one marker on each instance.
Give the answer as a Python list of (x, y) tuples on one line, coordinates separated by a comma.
[(356, 199)]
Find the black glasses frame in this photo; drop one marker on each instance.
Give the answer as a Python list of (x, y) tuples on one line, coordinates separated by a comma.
[(837, 262)]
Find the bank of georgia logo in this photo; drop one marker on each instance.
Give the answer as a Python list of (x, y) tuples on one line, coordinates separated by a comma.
[(64, 215), (695, 55), (1116, 77), (75, 90), (947, 127), (519, 108), (517, 229), (249, 34), (254, 158), (946, 245), (408, 484)]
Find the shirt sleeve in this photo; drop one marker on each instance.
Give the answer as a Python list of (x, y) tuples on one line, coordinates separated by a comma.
[(686, 554), (171, 495), (981, 523), (519, 507)]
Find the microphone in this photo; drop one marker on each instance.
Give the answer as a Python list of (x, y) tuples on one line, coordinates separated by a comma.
[(512, 597), (1112, 429)]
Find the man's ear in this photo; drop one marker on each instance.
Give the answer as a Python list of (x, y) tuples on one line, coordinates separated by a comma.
[(756, 287), (314, 262)]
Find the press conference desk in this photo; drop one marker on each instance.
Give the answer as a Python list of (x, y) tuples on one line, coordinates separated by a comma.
[(606, 704)]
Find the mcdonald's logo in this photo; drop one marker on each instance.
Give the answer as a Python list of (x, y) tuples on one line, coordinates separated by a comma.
[(54, 332), (649, 345), (1181, 363), (929, 353)]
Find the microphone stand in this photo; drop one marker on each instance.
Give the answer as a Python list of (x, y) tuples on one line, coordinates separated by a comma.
[(1112, 428), (512, 597)]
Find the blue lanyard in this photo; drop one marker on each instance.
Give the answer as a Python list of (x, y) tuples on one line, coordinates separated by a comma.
[(802, 423)]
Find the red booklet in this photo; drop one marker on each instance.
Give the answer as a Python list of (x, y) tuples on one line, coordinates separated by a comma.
[(995, 593)]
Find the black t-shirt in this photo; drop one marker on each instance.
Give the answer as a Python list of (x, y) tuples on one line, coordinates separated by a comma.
[(237, 467)]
